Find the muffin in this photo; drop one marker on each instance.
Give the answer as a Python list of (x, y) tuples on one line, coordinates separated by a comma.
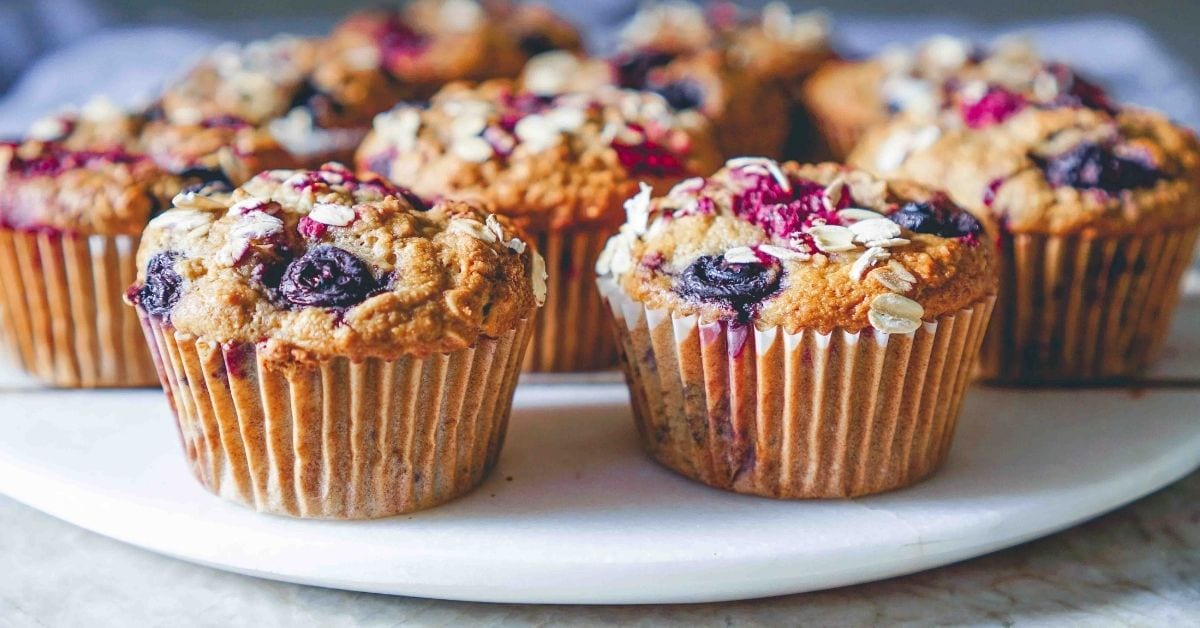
[(942, 74), (70, 220), (1097, 213), (559, 167), (430, 43), (742, 71), (128, 165), (798, 331), (331, 346), (311, 96)]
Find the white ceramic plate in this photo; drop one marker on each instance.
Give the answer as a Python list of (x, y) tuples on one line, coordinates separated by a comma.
[(574, 513)]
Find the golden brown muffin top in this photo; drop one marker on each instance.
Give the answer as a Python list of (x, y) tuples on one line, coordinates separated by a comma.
[(801, 247), (103, 191), (546, 162), (255, 82), (772, 43), (1053, 171), (948, 74), (318, 264), (429, 43), (102, 170)]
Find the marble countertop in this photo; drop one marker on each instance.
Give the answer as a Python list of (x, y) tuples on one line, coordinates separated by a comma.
[(1139, 565)]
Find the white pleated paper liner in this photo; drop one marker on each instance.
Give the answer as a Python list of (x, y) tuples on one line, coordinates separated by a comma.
[(63, 315), (803, 415), (338, 439)]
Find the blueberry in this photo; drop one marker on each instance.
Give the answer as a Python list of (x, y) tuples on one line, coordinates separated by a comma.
[(319, 103), (936, 218), (327, 276), (682, 94), (633, 68), (535, 43), (1091, 166), (163, 287), (201, 178), (741, 287)]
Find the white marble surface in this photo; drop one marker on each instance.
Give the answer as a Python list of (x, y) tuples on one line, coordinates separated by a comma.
[(1137, 566)]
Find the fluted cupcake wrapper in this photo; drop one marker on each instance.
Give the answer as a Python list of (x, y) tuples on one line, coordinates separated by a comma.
[(1075, 309), (338, 439), (62, 309), (570, 332), (803, 415)]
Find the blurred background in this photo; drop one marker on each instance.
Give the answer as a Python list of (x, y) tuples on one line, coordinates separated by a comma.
[(54, 52)]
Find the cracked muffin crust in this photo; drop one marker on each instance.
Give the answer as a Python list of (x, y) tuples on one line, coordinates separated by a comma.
[(942, 77), (1053, 171), (319, 264), (546, 162), (801, 247)]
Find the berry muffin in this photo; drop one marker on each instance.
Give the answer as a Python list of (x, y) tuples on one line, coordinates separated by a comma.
[(312, 97), (942, 76), (430, 43), (742, 72), (1098, 216), (331, 346), (798, 331), (70, 220), (80, 193), (559, 167)]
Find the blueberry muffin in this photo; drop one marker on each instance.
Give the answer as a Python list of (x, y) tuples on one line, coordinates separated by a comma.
[(1098, 215), (742, 71), (69, 226), (560, 167), (942, 76), (311, 96), (333, 347), (430, 43), (798, 331), (78, 192)]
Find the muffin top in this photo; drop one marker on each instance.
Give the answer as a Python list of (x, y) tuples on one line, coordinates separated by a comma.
[(254, 82), (813, 246), (1052, 171), (103, 170), (947, 74), (88, 191), (548, 162), (319, 264), (429, 43)]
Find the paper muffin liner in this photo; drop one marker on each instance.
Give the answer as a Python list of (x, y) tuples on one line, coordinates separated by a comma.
[(1074, 309), (803, 415), (338, 439), (62, 311), (570, 332)]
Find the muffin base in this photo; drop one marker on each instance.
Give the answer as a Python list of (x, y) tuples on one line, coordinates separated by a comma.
[(62, 311), (570, 333), (1080, 310), (803, 415), (338, 439)]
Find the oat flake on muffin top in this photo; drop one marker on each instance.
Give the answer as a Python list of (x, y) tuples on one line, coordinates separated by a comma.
[(815, 246), (316, 264)]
